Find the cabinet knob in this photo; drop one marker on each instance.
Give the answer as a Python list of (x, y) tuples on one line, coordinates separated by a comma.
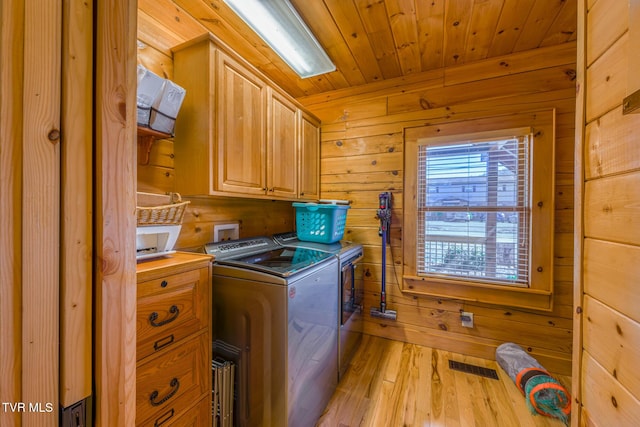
[(164, 284)]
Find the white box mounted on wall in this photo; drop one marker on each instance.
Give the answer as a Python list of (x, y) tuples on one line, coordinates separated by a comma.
[(230, 231)]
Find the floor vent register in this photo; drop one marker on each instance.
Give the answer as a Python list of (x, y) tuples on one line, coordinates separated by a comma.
[(473, 369)]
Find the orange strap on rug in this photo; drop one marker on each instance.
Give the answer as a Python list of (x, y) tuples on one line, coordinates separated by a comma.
[(553, 385), (524, 375)]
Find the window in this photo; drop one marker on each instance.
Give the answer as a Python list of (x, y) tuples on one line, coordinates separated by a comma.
[(484, 235), (494, 244)]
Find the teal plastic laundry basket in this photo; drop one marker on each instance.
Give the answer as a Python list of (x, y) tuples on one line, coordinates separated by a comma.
[(320, 223)]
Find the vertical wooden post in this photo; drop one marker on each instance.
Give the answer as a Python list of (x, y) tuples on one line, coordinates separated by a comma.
[(633, 76), (41, 209), (115, 186), (11, 69), (77, 204), (578, 237)]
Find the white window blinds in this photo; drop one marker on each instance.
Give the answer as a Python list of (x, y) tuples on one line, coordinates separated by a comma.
[(474, 212)]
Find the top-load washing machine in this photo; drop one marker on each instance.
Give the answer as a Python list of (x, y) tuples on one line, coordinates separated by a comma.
[(275, 316)]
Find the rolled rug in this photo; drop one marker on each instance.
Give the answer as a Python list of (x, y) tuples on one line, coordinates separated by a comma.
[(543, 393)]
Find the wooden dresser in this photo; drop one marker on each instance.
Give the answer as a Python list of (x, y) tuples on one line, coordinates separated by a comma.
[(173, 370)]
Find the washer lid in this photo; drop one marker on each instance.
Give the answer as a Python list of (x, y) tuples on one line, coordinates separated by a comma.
[(281, 261)]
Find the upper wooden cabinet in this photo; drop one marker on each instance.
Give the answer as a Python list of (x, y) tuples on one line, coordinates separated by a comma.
[(309, 156), (238, 134), (241, 118), (282, 146)]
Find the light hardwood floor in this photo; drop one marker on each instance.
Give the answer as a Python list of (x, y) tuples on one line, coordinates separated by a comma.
[(390, 383)]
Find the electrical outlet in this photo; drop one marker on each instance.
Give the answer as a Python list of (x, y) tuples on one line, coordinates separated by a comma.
[(467, 319), (230, 231), (77, 414)]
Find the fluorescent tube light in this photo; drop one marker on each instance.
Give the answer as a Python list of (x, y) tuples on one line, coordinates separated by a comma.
[(280, 26)]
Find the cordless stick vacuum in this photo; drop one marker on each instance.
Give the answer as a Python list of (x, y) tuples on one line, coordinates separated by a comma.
[(384, 215)]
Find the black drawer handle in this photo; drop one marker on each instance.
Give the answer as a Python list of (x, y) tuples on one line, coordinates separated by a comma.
[(163, 342), (164, 418), (154, 316), (175, 385)]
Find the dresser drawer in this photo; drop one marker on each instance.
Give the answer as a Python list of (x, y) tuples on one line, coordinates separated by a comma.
[(170, 309), (169, 384), (198, 416)]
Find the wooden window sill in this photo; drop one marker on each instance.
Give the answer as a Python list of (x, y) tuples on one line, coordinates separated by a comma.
[(511, 296)]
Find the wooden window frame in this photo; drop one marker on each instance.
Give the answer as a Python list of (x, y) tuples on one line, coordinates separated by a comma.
[(539, 294)]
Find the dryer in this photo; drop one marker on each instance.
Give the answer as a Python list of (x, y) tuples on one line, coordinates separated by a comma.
[(350, 291)]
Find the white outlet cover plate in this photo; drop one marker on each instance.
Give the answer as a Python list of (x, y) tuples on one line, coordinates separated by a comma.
[(233, 230), (467, 323)]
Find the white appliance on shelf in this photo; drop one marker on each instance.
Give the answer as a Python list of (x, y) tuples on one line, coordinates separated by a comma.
[(156, 240)]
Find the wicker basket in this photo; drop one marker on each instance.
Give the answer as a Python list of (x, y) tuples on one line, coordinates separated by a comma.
[(162, 215)]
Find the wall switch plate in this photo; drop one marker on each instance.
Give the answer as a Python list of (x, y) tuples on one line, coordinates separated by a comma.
[(467, 319), (222, 232)]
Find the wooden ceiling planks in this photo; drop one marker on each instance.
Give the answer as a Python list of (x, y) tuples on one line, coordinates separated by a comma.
[(172, 18), (346, 17), (456, 24), (512, 19), (429, 17), (372, 40), (153, 33), (402, 15), (482, 29), (563, 28), (376, 23), (541, 17)]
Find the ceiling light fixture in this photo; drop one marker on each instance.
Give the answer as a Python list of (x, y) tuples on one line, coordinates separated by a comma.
[(280, 26)]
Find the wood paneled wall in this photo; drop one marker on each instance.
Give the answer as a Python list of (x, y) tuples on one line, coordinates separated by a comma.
[(606, 379), (362, 155), (254, 217)]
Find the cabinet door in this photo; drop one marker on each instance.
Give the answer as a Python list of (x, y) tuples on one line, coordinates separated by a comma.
[(194, 144), (241, 124), (309, 187), (282, 152)]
